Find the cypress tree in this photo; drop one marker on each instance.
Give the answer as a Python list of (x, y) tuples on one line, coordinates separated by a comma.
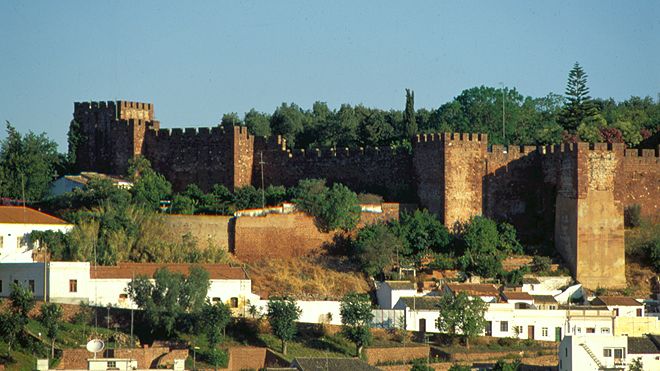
[(409, 123)]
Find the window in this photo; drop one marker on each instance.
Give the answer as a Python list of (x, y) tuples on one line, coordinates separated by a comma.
[(233, 302), (0, 285), (517, 330), (31, 283), (616, 312), (123, 296), (2, 242), (552, 307), (618, 353), (73, 285), (112, 364), (607, 352), (591, 330), (639, 312), (544, 331), (605, 330), (504, 326)]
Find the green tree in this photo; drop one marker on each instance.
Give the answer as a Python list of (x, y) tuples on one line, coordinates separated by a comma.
[(334, 208), (420, 234), (375, 247), (282, 315), (462, 315), (356, 316), (485, 245), (636, 365), (409, 122), (27, 165), (459, 367), (579, 107), (75, 139), (502, 365), (215, 317), (149, 186), (420, 365), (258, 123), (13, 321), (51, 315), (231, 119), (288, 121), (172, 299)]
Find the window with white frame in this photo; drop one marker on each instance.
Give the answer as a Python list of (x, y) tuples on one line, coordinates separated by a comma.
[(607, 352), (544, 331), (605, 330), (504, 326)]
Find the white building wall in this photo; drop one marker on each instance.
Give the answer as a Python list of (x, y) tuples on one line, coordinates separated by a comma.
[(23, 273), (15, 248), (573, 354), (312, 311), (59, 276)]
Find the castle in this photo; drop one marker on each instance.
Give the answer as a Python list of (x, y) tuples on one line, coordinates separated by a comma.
[(574, 194)]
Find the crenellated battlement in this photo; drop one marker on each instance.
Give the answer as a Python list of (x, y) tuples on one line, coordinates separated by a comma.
[(446, 137), (327, 153)]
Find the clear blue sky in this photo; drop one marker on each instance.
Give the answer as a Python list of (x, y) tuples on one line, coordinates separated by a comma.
[(198, 60)]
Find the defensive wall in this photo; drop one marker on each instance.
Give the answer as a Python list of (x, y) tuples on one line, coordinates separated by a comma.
[(573, 194)]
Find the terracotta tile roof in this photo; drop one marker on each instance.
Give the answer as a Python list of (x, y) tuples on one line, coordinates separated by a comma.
[(517, 295), (544, 299), (19, 215), (128, 270), (474, 289), (401, 285), (616, 301)]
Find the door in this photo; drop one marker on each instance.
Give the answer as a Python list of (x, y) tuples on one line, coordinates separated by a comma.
[(530, 332), (489, 328), (422, 325), (557, 333)]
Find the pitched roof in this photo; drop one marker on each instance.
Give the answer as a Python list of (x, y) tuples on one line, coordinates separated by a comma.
[(422, 302), (331, 364), (530, 281), (84, 177), (129, 270), (401, 285), (644, 345), (21, 215), (622, 301), (544, 299), (517, 295), (474, 288)]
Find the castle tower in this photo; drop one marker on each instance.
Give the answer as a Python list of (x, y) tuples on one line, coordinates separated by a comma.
[(589, 231), (114, 133), (449, 169)]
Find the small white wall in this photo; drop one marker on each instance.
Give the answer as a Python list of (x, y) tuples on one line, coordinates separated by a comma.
[(312, 311), (23, 273), (387, 297), (59, 275), (574, 356)]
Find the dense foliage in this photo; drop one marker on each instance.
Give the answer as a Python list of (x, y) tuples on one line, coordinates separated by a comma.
[(333, 208), (282, 314), (356, 316), (462, 315), (173, 300)]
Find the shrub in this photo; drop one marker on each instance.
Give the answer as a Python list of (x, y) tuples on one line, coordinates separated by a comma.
[(507, 342)]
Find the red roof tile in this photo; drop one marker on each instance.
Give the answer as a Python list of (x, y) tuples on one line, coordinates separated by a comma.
[(21, 215), (129, 270), (617, 301), (517, 295), (474, 288)]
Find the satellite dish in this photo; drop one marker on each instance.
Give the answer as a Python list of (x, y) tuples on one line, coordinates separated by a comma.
[(95, 346)]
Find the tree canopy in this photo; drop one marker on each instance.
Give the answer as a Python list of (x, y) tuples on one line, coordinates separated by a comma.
[(173, 299), (462, 315), (334, 208), (356, 316), (27, 165), (282, 315)]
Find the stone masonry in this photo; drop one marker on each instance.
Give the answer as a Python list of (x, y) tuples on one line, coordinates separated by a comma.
[(574, 194)]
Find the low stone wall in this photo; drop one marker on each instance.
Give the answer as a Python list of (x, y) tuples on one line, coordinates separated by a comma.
[(241, 358), (204, 228), (395, 354)]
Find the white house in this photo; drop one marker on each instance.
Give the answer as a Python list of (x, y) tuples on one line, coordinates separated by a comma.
[(389, 292), (520, 299), (69, 183), (15, 223), (420, 312), (583, 353), (622, 306), (73, 282)]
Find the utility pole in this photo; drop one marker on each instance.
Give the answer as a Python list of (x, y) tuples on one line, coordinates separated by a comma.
[(263, 197)]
